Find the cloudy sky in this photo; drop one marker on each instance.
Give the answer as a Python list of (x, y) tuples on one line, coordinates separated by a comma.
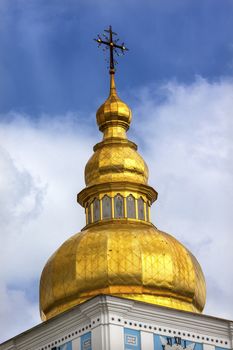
[(177, 78)]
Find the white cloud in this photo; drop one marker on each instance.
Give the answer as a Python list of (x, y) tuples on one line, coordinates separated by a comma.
[(17, 313), (188, 142), (186, 139), (20, 203), (42, 165)]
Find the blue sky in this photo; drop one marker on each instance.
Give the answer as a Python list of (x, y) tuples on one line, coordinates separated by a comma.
[(47, 52), (178, 80)]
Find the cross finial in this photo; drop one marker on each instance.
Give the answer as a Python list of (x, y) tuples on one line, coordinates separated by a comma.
[(113, 47)]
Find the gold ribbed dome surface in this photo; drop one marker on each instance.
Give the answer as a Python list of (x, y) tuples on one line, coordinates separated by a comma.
[(117, 161), (130, 260)]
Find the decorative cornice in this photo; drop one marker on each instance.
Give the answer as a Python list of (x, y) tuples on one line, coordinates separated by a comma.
[(91, 191), (115, 141)]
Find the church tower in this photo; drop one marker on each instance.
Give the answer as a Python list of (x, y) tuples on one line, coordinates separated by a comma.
[(119, 252), (121, 283)]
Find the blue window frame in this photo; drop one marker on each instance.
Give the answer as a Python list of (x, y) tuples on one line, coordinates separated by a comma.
[(86, 341), (132, 339)]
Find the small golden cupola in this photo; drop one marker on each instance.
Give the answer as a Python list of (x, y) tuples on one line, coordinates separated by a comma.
[(119, 251), (113, 115), (115, 159)]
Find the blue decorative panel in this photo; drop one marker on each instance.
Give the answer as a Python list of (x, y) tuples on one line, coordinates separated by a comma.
[(218, 348), (86, 341), (132, 339), (169, 343), (66, 346)]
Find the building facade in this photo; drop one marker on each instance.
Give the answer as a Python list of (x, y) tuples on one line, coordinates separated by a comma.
[(112, 323)]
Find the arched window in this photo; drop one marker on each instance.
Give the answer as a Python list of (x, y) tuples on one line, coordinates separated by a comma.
[(96, 209), (147, 212), (141, 214), (131, 212), (89, 214), (107, 207), (119, 206)]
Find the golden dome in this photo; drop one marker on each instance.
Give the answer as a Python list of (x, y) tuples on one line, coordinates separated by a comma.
[(116, 161), (119, 251), (113, 111), (130, 260)]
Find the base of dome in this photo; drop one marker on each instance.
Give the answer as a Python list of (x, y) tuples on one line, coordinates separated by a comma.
[(131, 260), (158, 300)]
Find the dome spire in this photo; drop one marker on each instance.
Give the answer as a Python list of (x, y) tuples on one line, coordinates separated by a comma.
[(112, 85), (114, 116)]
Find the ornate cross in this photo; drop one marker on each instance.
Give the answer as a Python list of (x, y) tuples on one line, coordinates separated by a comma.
[(112, 45)]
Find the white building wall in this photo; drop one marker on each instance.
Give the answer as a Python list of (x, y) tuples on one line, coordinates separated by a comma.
[(147, 341), (208, 347), (76, 344), (116, 337), (97, 338)]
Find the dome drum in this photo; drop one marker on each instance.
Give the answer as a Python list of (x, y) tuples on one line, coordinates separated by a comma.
[(112, 188), (115, 206)]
